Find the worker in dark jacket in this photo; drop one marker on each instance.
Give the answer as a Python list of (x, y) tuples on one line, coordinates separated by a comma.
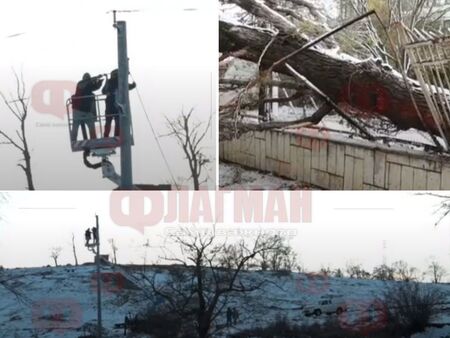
[(87, 236), (95, 234), (112, 111), (83, 105)]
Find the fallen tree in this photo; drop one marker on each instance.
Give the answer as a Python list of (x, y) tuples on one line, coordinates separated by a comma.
[(364, 88)]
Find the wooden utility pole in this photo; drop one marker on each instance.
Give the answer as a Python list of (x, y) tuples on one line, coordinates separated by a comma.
[(95, 248), (99, 282)]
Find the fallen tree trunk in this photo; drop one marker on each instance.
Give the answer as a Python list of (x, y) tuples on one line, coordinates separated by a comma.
[(272, 83), (364, 86)]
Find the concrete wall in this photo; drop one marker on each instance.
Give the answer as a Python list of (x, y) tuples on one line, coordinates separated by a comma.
[(336, 163)]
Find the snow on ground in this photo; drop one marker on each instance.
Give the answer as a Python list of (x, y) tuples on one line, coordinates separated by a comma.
[(231, 13), (234, 177), (331, 7), (241, 70), (336, 53), (56, 302)]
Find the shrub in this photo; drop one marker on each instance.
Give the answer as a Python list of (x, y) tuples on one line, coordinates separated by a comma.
[(282, 328), (161, 323), (411, 306)]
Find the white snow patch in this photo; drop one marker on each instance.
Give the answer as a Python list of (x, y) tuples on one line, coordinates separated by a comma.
[(234, 177)]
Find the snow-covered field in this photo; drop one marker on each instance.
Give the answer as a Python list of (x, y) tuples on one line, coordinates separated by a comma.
[(58, 302), (234, 177)]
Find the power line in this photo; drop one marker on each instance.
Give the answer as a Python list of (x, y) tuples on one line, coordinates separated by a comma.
[(211, 100), (154, 135), (14, 35)]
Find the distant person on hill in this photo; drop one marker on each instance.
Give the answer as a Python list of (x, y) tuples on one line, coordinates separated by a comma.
[(125, 325), (229, 316), (235, 316)]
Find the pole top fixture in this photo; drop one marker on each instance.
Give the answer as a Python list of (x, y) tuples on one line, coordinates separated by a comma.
[(115, 11)]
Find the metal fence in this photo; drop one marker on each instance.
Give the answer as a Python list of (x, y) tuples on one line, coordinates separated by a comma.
[(429, 56)]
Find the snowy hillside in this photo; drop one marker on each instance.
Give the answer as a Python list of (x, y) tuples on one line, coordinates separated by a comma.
[(60, 302)]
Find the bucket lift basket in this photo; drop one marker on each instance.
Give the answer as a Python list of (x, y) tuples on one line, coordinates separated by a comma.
[(100, 142)]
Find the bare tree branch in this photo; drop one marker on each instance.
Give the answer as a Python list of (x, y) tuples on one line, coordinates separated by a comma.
[(20, 112), (190, 135)]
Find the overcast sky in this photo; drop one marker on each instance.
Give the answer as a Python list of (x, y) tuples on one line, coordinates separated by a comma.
[(358, 227), (172, 46)]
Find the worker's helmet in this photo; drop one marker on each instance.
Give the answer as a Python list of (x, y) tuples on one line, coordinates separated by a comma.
[(86, 76), (115, 73)]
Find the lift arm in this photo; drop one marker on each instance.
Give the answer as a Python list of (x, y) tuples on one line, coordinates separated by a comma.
[(88, 164), (108, 170)]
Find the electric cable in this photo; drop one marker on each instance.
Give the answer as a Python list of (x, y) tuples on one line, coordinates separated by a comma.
[(154, 135)]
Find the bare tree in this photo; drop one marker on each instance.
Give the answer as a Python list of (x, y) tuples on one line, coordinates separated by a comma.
[(18, 107), (444, 205), (378, 38), (114, 250), (383, 272), (404, 272), (411, 306), (283, 258), (200, 290), (437, 271), (356, 271), (338, 273), (189, 135), (230, 258), (74, 250), (326, 270), (3, 200), (146, 246), (3, 197), (56, 251)]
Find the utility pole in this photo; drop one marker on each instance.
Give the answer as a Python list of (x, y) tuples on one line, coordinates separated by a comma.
[(95, 248), (124, 103), (99, 282)]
